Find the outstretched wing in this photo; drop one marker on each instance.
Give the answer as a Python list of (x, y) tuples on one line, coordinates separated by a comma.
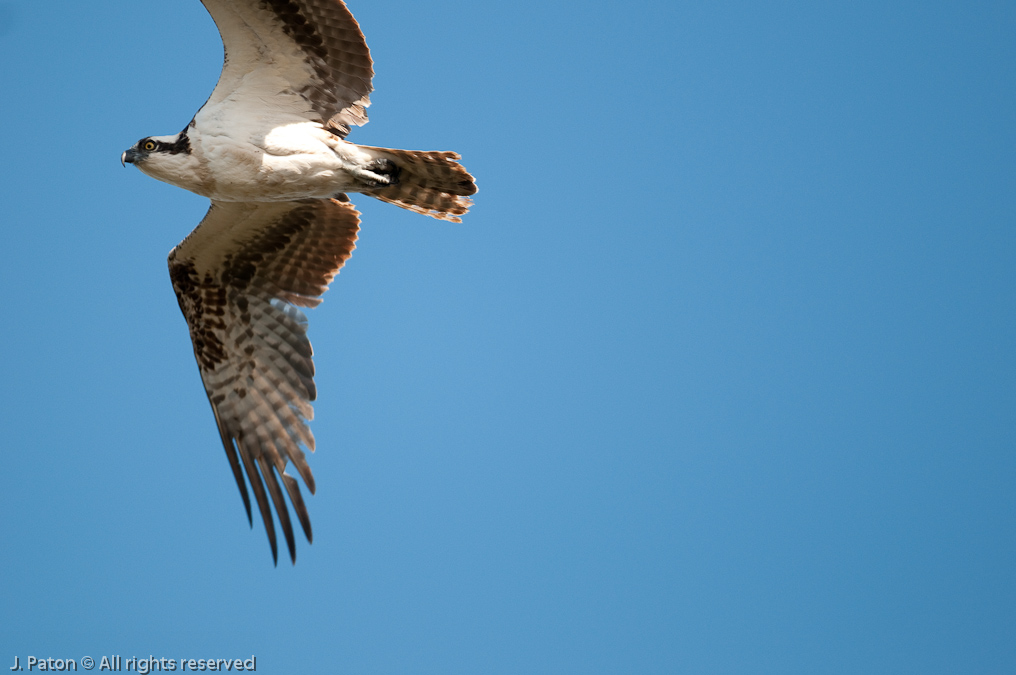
[(240, 277), (309, 51)]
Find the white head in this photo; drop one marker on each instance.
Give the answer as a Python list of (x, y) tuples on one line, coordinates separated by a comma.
[(166, 158)]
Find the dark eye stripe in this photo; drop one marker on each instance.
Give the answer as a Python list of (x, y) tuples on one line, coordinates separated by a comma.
[(181, 145)]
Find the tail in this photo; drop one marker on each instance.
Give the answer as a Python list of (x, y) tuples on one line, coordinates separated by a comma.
[(431, 183)]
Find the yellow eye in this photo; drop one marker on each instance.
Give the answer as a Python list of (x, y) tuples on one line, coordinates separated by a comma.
[(149, 145)]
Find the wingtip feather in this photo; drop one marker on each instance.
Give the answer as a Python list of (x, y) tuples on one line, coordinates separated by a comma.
[(259, 493), (281, 510)]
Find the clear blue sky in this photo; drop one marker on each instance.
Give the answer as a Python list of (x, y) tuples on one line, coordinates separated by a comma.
[(717, 377)]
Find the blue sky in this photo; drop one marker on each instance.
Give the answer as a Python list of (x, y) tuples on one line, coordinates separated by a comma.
[(717, 377)]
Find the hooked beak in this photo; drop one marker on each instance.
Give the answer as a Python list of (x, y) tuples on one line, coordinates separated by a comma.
[(129, 157)]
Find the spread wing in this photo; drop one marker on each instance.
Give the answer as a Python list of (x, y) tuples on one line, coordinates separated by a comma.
[(240, 277), (309, 51)]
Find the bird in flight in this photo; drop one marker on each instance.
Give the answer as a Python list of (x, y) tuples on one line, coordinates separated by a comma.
[(268, 148)]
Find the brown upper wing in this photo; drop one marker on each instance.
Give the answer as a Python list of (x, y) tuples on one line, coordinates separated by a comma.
[(239, 277), (314, 48)]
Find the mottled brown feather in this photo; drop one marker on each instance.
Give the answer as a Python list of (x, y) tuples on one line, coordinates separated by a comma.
[(326, 35), (238, 278), (430, 183)]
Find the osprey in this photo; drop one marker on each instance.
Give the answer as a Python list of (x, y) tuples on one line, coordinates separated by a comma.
[(268, 148)]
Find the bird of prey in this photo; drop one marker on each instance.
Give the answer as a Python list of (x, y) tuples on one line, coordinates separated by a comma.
[(268, 148)]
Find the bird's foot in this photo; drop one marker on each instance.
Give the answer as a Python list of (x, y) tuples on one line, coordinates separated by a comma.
[(378, 173)]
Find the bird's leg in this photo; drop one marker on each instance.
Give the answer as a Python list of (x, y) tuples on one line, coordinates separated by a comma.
[(378, 173)]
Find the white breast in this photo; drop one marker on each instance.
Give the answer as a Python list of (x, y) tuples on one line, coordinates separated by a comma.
[(257, 159)]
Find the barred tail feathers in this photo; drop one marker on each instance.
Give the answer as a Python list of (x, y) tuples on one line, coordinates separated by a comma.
[(431, 183)]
